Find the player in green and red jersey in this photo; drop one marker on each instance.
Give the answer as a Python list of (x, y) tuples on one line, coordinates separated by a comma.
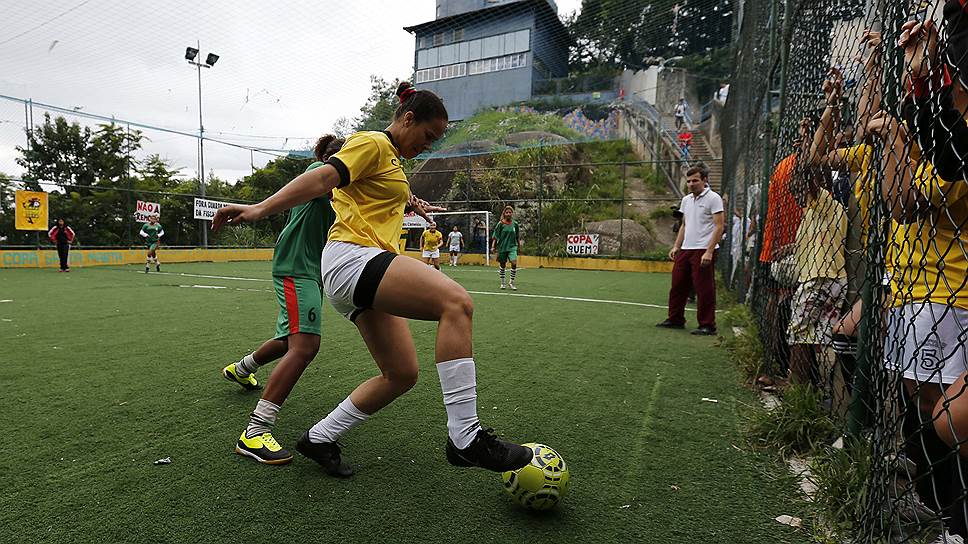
[(297, 279), (505, 242)]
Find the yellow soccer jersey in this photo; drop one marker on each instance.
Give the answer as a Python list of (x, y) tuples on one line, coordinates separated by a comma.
[(373, 192), (930, 257), (431, 240)]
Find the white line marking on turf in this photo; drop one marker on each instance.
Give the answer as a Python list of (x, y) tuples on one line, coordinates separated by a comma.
[(209, 277), (578, 299), (6, 300), (573, 299), (205, 286)]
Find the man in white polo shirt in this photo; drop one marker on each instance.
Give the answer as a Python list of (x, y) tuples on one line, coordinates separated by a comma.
[(694, 254)]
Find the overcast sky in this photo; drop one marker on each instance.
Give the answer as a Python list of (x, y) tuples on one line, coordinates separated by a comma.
[(287, 71)]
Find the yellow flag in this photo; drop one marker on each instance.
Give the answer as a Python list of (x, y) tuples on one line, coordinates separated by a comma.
[(31, 210)]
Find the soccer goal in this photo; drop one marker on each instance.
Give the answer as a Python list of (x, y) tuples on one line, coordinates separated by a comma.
[(474, 225)]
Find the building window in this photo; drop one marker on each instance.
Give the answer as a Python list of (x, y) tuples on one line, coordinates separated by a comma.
[(442, 72), (508, 62), (471, 50)]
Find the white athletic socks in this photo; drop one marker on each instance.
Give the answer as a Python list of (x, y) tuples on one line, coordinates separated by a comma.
[(246, 366), (514, 272), (342, 419), (262, 418), (458, 381), (500, 272)]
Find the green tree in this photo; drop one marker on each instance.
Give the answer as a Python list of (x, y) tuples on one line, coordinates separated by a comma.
[(89, 165), (263, 183), (625, 33), (9, 235), (377, 113)]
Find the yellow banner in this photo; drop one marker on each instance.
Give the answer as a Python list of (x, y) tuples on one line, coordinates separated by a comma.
[(31, 211)]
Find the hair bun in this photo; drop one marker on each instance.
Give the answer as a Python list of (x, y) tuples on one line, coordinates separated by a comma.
[(405, 90)]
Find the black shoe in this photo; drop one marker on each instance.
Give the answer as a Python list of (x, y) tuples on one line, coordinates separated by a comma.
[(490, 452), (146, 269), (326, 454), (670, 325), (704, 331), (157, 268)]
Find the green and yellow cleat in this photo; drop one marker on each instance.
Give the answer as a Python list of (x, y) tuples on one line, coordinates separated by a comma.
[(263, 448), (249, 382)]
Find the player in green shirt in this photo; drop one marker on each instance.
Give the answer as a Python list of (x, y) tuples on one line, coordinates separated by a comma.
[(152, 231), (297, 279), (505, 242)]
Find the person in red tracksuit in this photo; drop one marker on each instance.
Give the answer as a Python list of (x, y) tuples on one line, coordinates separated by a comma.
[(62, 236), (695, 253)]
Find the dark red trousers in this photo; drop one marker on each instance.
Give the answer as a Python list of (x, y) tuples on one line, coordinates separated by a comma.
[(688, 274)]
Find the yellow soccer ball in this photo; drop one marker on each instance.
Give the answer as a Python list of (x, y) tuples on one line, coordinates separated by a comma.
[(541, 484)]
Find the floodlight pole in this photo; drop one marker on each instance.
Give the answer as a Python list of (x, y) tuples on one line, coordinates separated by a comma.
[(201, 137)]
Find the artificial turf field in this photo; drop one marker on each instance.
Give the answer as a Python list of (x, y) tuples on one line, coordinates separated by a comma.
[(105, 370)]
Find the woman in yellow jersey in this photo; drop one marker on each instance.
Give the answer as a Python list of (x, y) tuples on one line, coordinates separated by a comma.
[(366, 281), (430, 242), (927, 323)]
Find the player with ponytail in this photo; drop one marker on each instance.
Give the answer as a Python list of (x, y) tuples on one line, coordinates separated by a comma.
[(366, 280)]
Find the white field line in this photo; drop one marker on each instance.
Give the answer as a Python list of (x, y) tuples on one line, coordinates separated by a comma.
[(523, 295), (224, 287), (205, 276)]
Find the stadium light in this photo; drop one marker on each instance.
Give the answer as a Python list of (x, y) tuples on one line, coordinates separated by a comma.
[(190, 54)]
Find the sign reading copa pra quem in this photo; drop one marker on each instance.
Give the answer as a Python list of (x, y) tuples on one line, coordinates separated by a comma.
[(581, 244)]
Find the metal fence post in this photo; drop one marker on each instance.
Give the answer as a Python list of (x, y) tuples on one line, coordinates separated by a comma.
[(621, 215), (540, 233)]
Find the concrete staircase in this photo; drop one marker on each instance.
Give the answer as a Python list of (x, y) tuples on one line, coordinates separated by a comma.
[(699, 152)]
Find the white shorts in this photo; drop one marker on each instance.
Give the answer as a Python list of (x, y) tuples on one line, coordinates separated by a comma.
[(925, 341), (351, 275), (455, 249), (435, 254)]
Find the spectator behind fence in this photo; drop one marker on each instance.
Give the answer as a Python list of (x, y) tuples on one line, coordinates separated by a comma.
[(952, 424), (779, 229), (739, 236), (822, 279), (929, 109), (928, 320), (62, 236), (694, 253)]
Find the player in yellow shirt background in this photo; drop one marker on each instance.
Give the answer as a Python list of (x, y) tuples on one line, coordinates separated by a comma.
[(430, 242)]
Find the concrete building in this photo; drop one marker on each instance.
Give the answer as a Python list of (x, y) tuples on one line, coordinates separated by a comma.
[(481, 53)]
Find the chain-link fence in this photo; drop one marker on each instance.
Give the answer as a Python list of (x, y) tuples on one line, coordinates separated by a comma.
[(847, 158)]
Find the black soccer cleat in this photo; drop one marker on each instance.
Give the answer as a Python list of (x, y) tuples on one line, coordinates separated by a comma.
[(157, 268), (667, 324), (327, 454), (490, 452)]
